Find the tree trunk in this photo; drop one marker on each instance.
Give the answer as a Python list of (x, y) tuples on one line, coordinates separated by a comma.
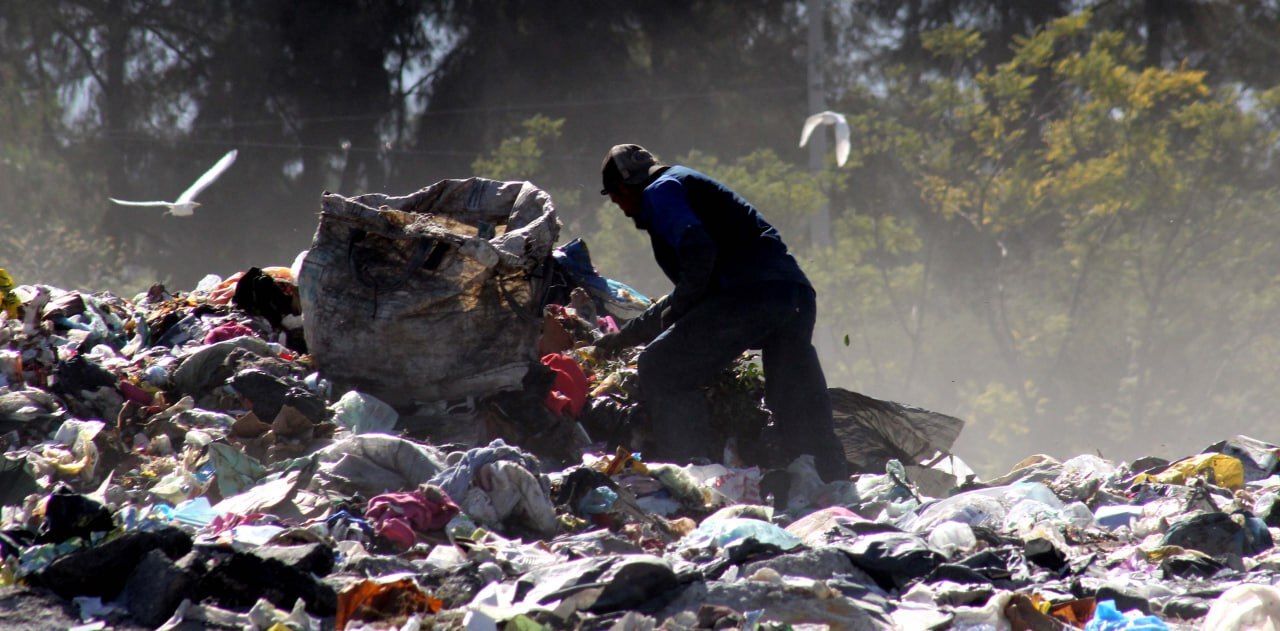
[(115, 116)]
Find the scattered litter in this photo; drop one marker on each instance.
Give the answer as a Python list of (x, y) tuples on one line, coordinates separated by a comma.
[(219, 458)]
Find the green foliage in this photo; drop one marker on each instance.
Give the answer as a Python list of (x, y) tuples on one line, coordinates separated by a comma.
[(787, 196), (520, 157), (49, 238), (1108, 203), (952, 41), (1048, 225)]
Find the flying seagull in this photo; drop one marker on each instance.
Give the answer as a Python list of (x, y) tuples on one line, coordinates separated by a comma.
[(842, 132), (186, 204)]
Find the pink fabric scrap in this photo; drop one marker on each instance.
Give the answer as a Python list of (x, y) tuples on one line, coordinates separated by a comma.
[(608, 324), (135, 394), (227, 331), (400, 516), (227, 521)]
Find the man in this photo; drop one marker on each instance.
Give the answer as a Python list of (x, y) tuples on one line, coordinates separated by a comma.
[(736, 288)]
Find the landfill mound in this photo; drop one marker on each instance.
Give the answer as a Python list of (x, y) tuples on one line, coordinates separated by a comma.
[(176, 461)]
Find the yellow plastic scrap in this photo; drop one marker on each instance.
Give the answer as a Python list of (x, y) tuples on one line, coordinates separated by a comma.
[(8, 573), (572, 523), (679, 483), (9, 302), (611, 383), (621, 462), (1227, 472), (72, 468), (1039, 603), (1160, 553)]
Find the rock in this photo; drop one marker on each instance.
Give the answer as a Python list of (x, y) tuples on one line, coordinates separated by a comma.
[(34, 609), (1125, 599), (818, 564), (237, 580), (103, 569), (787, 604), (313, 558), (156, 588), (1042, 552)]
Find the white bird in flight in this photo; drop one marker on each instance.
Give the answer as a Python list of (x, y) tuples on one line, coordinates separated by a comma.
[(842, 132), (186, 205)]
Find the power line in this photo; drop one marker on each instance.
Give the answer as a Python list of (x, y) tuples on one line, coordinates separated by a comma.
[(130, 136), (516, 107), (142, 139)]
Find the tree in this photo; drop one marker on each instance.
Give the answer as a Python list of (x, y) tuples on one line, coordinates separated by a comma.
[(673, 76), (42, 237), (1114, 194), (312, 95)]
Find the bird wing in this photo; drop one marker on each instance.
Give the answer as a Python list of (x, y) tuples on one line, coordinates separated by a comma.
[(183, 210), (209, 176), (125, 203), (810, 124), (842, 140)]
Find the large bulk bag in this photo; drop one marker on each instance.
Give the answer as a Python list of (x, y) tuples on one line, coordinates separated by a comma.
[(432, 297)]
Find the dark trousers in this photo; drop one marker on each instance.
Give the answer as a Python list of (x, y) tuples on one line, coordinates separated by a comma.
[(778, 319)]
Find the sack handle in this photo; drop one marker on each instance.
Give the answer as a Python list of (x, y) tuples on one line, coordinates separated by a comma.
[(422, 249), (532, 313)]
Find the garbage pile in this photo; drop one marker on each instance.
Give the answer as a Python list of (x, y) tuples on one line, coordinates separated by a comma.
[(174, 461), (181, 460)]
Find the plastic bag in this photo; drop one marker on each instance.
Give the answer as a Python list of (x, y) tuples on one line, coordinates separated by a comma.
[(9, 302), (729, 531), (1227, 472), (364, 413), (1108, 618), (953, 538), (1249, 606), (610, 296)]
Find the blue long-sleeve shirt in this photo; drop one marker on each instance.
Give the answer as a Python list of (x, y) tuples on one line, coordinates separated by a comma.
[(706, 237)]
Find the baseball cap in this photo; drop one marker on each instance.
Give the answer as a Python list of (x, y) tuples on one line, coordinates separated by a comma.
[(634, 164)]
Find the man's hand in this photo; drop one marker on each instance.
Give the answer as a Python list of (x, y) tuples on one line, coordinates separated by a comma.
[(610, 344), (668, 316)]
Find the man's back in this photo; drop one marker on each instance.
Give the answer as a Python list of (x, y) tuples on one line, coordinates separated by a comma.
[(748, 248)]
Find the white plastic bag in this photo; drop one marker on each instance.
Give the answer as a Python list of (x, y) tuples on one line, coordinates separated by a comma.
[(364, 413), (1251, 607)]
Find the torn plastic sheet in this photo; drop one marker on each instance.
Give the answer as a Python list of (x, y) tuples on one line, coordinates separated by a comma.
[(875, 431), (236, 470), (197, 513), (267, 495), (263, 616), (364, 413), (372, 464)]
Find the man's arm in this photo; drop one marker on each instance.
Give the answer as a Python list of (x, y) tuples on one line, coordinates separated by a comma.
[(675, 222), (697, 260), (641, 329)]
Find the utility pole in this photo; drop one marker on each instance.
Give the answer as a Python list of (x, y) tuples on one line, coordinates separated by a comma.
[(820, 222)]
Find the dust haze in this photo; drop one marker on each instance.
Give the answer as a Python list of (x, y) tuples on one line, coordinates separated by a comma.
[(1065, 280)]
